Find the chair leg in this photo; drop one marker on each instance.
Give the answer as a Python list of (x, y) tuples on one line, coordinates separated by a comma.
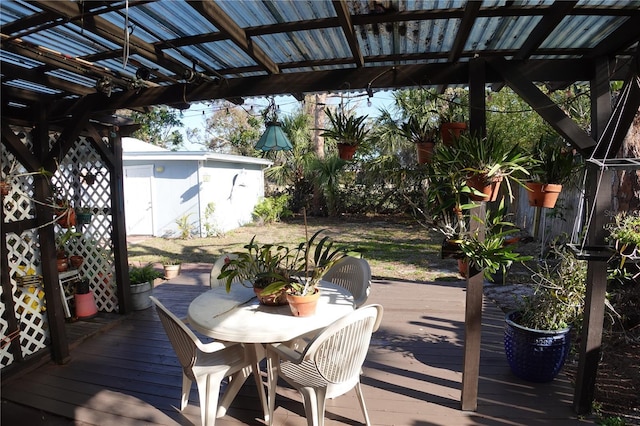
[(314, 404), (272, 381), (362, 404), (186, 390), (208, 391)]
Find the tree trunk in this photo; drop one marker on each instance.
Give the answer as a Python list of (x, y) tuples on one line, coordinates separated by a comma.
[(626, 189), (318, 144)]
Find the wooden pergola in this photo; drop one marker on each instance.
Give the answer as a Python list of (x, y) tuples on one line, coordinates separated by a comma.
[(68, 66)]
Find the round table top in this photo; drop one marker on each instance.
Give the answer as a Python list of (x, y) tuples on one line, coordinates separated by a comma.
[(238, 317)]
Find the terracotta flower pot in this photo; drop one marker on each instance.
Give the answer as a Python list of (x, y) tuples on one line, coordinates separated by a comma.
[(543, 195), (449, 131), (171, 271), (66, 218), (62, 264), (489, 187), (425, 152), (76, 261), (303, 306), (346, 151)]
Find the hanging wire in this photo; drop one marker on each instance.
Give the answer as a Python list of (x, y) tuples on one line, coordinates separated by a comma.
[(602, 167), (125, 47)]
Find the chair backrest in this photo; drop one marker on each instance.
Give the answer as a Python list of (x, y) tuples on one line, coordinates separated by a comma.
[(185, 343), (217, 268), (353, 274), (340, 349)]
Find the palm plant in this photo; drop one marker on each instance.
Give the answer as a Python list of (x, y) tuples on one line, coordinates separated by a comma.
[(327, 174), (346, 128)]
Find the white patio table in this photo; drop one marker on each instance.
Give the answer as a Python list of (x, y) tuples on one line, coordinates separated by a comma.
[(238, 317)]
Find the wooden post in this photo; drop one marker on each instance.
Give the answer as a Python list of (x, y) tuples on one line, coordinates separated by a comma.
[(473, 308)]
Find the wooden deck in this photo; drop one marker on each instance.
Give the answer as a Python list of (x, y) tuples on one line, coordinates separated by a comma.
[(129, 375)]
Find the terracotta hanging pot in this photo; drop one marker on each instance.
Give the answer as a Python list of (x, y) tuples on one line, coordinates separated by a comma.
[(346, 151), (4, 188), (543, 195), (66, 217), (425, 152), (303, 306), (449, 131), (490, 187)]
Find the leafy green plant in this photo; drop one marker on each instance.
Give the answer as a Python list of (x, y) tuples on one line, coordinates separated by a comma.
[(271, 209), (171, 261), (185, 227), (346, 128), (555, 161), (625, 228), (143, 274), (210, 228), (418, 131), (559, 291)]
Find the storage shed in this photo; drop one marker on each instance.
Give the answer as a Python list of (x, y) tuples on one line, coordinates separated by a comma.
[(203, 193)]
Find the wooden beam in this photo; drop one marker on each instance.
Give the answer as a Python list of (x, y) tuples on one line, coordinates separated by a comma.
[(19, 149), (217, 16), (466, 24), (38, 76), (544, 106), (344, 18)]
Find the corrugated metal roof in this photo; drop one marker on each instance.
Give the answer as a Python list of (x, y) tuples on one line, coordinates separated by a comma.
[(222, 41)]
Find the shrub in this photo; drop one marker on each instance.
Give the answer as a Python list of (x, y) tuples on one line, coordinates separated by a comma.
[(271, 209)]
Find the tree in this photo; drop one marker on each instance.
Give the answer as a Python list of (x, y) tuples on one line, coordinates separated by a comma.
[(157, 126), (230, 129)]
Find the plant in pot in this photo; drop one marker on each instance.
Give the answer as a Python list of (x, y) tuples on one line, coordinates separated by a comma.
[(261, 265), (317, 255), (488, 161), (452, 110), (348, 130), (422, 134), (624, 234), (554, 165), (141, 279), (62, 251), (83, 215), (491, 254), (537, 336), (171, 267)]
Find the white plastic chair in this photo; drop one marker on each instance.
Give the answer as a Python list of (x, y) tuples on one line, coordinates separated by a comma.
[(329, 366), (207, 365), (353, 274), (217, 268)]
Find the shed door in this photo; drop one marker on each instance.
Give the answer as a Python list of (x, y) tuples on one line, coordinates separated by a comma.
[(137, 200)]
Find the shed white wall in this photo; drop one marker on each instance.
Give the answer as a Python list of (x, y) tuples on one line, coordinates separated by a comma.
[(234, 189), (187, 187)]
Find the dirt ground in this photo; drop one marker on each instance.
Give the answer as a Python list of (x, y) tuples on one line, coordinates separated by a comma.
[(398, 248)]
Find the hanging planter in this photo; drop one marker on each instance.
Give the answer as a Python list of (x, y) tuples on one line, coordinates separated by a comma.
[(425, 152), (451, 131), (543, 195), (66, 218), (489, 187), (346, 151)]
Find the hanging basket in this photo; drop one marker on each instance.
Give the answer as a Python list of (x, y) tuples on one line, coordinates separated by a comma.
[(66, 217), (346, 152), (450, 131), (543, 195), (425, 152), (490, 187)]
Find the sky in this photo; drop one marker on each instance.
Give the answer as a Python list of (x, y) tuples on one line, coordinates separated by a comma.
[(196, 115)]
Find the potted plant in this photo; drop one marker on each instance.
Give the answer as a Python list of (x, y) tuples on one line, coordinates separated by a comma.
[(260, 265), (555, 164), (624, 234), (537, 336), (141, 279), (452, 113), (347, 130), (83, 215), (318, 254), (171, 267), (422, 134), (491, 254), (487, 161)]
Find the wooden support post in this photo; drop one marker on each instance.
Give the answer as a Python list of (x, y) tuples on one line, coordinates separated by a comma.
[(473, 326), (473, 308)]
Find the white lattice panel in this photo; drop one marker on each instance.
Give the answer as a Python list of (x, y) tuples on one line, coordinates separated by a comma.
[(83, 181)]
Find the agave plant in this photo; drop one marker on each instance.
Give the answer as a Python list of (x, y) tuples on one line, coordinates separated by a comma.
[(346, 128)]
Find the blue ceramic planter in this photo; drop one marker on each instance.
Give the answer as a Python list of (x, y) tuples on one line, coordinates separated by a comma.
[(535, 355)]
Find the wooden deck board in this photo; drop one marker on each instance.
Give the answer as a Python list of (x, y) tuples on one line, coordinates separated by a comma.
[(129, 374)]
